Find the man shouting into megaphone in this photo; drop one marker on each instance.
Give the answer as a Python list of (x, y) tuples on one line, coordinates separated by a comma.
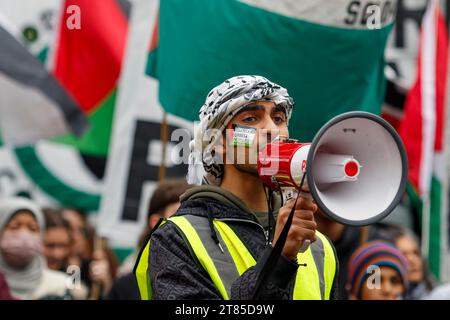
[(219, 242)]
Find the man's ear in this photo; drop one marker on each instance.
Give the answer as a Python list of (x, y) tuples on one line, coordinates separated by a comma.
[(153, 220)]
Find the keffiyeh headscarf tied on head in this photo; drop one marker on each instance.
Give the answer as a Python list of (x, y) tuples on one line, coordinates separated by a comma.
[(221, 105)]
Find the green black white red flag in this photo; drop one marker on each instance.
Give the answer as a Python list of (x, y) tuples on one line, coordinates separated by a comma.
[(80, 45), (33, 104), (328, 54), (423, 131)]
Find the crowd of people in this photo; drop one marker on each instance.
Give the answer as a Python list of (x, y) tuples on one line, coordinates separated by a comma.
[(382, 261), (55, 253), (51, 253)]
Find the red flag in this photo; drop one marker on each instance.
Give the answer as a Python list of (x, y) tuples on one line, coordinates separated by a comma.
[(423, 122), (88, 59)]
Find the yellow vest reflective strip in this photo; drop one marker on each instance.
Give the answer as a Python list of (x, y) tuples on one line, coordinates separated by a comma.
[(202, 245), (242, 258), (141, 272), (330, 264), (309, 281)]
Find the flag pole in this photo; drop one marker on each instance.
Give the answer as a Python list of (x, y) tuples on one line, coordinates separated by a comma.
[(425, 243), (364, 235), (164, 134)]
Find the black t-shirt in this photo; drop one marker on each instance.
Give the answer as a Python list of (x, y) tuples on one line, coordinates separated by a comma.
[(124, 288)]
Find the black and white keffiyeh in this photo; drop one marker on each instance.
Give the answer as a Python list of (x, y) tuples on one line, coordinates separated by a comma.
[(221, 105)]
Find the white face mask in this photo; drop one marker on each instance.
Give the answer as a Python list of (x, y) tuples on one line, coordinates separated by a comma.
[(19, 248)]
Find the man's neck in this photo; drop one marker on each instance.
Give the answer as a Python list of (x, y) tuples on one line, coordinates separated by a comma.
[(246, 187)]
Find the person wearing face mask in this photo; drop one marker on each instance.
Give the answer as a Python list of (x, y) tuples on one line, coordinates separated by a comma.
[(21, 259)]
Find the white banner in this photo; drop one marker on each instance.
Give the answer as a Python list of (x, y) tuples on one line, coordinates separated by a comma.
[(135, 152)]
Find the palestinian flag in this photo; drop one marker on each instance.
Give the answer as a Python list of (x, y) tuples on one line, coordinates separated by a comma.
[(328, 54), (423, 132), (33, 104), (86, 62)]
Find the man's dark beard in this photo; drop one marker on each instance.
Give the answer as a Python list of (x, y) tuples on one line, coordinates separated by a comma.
[(247, 169)]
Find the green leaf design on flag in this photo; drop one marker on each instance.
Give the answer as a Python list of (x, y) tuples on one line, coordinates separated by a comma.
[(52, 185), (96, 139)]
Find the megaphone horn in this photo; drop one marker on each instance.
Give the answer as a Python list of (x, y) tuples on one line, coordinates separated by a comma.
[(356, 167)]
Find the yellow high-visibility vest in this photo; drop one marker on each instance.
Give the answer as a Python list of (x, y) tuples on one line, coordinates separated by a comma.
[(313, 281)]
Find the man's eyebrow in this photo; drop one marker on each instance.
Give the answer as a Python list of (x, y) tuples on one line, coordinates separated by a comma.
[(253, 107), (257, 107), (278, 108)]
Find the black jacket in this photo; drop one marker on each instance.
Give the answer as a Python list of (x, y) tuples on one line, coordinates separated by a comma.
[(175, 274)]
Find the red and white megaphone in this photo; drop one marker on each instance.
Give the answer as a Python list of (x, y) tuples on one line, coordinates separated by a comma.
[(356, 168)]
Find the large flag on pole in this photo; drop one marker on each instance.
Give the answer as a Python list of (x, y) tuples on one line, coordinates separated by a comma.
[(84, 53), (423, 130), (329, 54), (87, 61), (80, 44), (33, 104)]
